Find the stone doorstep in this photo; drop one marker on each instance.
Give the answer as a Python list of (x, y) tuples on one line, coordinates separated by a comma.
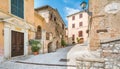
[(100, 60)]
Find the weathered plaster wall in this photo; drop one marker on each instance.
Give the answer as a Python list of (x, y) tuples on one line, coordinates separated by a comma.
[(103, 20), (1, 39), (4, 5), (29, 11)]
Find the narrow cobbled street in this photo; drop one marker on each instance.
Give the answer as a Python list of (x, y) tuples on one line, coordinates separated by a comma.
[(41, 61), (61, 59)]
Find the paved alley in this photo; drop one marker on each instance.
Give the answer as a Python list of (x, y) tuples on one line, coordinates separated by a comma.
[(61, 59)]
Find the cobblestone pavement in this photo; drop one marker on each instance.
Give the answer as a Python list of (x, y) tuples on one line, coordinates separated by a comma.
[(41, 61), (50, 60)]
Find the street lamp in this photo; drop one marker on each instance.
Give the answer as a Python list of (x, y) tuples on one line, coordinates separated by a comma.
[(83, 5)]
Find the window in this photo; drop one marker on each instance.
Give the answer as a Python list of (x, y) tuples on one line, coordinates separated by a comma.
[(47, 36), (73, 25), (80, 34), (73, 37), (54, 18), (80, 16), (51, 16), (38, 33), (81, 23), (87, 31), (17, 8), (62, 26), (73, 17)]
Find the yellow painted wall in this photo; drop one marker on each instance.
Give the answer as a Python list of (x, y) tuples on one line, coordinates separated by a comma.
[(39, 21), (1, 38), (29, 11), (4, 5)]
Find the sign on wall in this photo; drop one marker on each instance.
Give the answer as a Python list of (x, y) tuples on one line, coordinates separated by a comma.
[(112, 8)]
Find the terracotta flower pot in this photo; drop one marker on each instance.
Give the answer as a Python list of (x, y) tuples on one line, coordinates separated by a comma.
[(35, 53)]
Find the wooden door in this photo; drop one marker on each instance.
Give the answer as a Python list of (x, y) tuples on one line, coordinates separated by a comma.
[(17, 43)]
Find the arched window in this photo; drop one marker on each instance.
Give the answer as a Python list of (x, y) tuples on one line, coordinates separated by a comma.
[(38, 33)]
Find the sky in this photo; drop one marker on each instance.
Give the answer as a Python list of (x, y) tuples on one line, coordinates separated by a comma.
[(64, 7)]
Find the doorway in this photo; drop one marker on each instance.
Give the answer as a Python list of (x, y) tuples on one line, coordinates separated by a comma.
[(17, 43)]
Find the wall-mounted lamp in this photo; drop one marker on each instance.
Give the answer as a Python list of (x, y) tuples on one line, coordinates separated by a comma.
[(83, 5)]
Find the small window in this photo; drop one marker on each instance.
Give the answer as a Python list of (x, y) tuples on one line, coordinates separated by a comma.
[(80, 34), (80, 16), (54, 18), (87, 31), (73, 37), (47, 36), (38, 33), (73, 17), (73, 25), (51, 16), (81, 24), (62, 26)]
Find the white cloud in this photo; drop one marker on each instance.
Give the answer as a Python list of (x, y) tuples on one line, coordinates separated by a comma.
[(70, 11)]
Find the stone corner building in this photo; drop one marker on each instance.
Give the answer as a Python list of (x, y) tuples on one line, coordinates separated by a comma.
[(104, 22), (55, 27)]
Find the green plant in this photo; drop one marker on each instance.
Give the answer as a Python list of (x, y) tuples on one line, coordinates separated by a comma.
[(35, 48), (78, 39), (63, 43), (35, 45)]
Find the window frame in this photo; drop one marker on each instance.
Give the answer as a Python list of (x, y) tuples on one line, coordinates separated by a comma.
[(10, 10), (73, 17), (80, 33), (73, 25), (80, 24), (80, 15)]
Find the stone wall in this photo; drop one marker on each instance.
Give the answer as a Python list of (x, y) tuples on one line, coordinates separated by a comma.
[(90, 63), (104, 21), (110, 50), (109, 56)]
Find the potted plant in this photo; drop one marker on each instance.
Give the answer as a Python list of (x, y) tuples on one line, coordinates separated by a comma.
[(80, 40), (35, 46), (63, 43)]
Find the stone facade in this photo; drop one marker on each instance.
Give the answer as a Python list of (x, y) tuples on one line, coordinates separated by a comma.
[(109, 56), (110, 51), (55, 26), (90, 63), (104, 22), (77, 27)]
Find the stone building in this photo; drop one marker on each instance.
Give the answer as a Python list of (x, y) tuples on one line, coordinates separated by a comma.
[(55, 27), (104, 22), (16, 27), (77, 27)]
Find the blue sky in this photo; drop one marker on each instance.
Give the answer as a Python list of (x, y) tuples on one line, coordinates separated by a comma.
[(65, 7)]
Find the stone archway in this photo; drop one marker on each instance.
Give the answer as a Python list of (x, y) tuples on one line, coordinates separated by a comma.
[(50, 47)]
